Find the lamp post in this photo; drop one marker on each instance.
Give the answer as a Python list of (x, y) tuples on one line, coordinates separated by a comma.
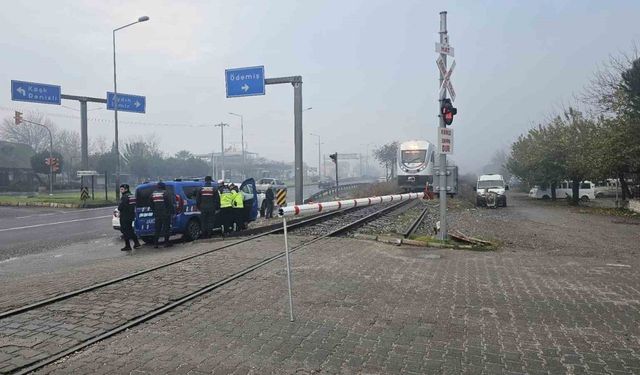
[(366, 163), (316, 135), (242, 140), (221, 125), (115, 101)]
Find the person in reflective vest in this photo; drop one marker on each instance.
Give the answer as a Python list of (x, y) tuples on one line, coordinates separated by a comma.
[(226, 208), (127, 209), (163, 210), (207, 202), (238, 208)]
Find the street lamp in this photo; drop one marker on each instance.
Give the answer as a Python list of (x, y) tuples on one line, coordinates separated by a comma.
[(316, 135), (366, 156), (115, 101), (242, 139)]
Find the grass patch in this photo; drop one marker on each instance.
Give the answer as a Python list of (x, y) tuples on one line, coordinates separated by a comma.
[(64, 198), (618, 212)]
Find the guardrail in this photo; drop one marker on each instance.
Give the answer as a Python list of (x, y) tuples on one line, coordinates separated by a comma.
[(333, 191)]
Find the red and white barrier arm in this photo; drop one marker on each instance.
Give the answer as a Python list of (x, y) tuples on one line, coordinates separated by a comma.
[(313, 208)]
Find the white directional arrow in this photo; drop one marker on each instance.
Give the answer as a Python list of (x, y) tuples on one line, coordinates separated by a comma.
[(21, 91), (245, 87), (137, 104)]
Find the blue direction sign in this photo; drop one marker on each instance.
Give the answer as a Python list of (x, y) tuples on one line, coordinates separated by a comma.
[(35, 92), (127, 103), (244, 81)]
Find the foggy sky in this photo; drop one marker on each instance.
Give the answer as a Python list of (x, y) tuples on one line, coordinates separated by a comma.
[(368, 67)]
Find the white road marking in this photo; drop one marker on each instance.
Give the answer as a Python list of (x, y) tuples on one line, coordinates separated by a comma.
[(67, 212), (56, 223)]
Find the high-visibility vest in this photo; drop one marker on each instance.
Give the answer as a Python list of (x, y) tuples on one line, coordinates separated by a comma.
[(238, 199), (226, 199)]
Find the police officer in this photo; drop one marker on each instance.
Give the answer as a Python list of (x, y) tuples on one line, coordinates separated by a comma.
[(127, 208), (207, 202), (238, 208), (226, 208), (163, 210), (268, 198)]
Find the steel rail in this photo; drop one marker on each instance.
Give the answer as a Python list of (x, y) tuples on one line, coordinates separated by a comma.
[(416, 223), (28, 368)]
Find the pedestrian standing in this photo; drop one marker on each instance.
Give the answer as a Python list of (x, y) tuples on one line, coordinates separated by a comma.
[(238, 208), (163, 210), (207, 202), (127, 209), (225, 216), (268, 198)]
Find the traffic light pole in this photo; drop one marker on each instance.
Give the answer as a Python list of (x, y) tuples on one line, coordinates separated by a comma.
[(50, 154), (442, 192)]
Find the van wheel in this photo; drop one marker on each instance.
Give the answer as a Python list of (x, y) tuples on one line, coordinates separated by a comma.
[(584, 198), (147, 239), (545, 197), (193, 230)]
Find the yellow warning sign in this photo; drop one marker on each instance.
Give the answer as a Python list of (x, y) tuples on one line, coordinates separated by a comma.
[(84, 193), (281, 197)]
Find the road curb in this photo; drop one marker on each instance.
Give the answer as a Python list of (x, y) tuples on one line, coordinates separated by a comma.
[(54, 205)]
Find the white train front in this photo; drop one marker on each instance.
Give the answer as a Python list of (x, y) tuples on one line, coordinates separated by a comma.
[(415, 165)]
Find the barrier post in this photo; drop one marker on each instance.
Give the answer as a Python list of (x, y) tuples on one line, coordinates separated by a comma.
[(286, 251)]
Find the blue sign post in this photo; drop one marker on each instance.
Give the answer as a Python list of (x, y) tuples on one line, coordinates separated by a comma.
[(35, 92), (127, 103), (244, 81)]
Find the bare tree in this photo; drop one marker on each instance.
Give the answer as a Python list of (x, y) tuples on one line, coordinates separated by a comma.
[(605, 93), (25, 133)]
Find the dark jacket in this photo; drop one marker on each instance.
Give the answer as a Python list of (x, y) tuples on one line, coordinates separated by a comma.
[(127, 206), (268, 195), (161, 203), (208, 198)]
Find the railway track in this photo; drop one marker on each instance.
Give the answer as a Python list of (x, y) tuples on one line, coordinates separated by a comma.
[(56, 327)]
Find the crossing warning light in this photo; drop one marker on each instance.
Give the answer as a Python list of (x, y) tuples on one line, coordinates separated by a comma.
[(447, 110), (334, 157), (18, 117)]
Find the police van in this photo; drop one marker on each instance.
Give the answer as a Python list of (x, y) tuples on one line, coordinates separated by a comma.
[(186, 220)]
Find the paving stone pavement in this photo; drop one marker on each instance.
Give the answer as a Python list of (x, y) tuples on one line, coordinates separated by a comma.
[(369, 308), (34, 335)]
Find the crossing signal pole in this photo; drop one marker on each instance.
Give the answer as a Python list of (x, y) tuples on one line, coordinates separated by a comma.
[(442, 192)]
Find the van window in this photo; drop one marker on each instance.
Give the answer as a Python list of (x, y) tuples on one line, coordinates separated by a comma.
[(585, 185), (190, 191), (248, 189)]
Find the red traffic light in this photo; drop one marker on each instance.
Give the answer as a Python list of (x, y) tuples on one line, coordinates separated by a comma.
[(447, 110), (334, 157), (18, 118)]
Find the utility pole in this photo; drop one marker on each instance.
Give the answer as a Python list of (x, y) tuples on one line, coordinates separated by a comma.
[(244, 171), (222, 125), (442, 193)]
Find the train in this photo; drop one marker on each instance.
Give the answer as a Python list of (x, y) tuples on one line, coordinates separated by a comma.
[(415, 160)]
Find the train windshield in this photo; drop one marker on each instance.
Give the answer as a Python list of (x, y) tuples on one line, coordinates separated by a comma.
[(413, 156)]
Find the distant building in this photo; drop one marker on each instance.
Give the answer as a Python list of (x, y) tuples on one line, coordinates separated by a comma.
[(15, 166)]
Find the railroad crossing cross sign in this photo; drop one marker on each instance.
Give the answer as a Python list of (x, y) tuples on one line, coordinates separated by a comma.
[(446, 83)]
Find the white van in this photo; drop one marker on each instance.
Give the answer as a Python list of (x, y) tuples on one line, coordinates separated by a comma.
[(564, 190), (491, 183)]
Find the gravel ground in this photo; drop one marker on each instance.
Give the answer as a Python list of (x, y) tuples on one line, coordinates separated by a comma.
[(398, 221), (327, 226)]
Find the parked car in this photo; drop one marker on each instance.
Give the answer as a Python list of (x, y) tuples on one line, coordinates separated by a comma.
[(586, 192), (326, 183), (265, 183)]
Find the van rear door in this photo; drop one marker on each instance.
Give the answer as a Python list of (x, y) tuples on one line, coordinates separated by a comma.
[(248, 187)]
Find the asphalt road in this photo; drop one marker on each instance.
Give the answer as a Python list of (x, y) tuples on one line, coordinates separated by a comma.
[(32, 230)]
